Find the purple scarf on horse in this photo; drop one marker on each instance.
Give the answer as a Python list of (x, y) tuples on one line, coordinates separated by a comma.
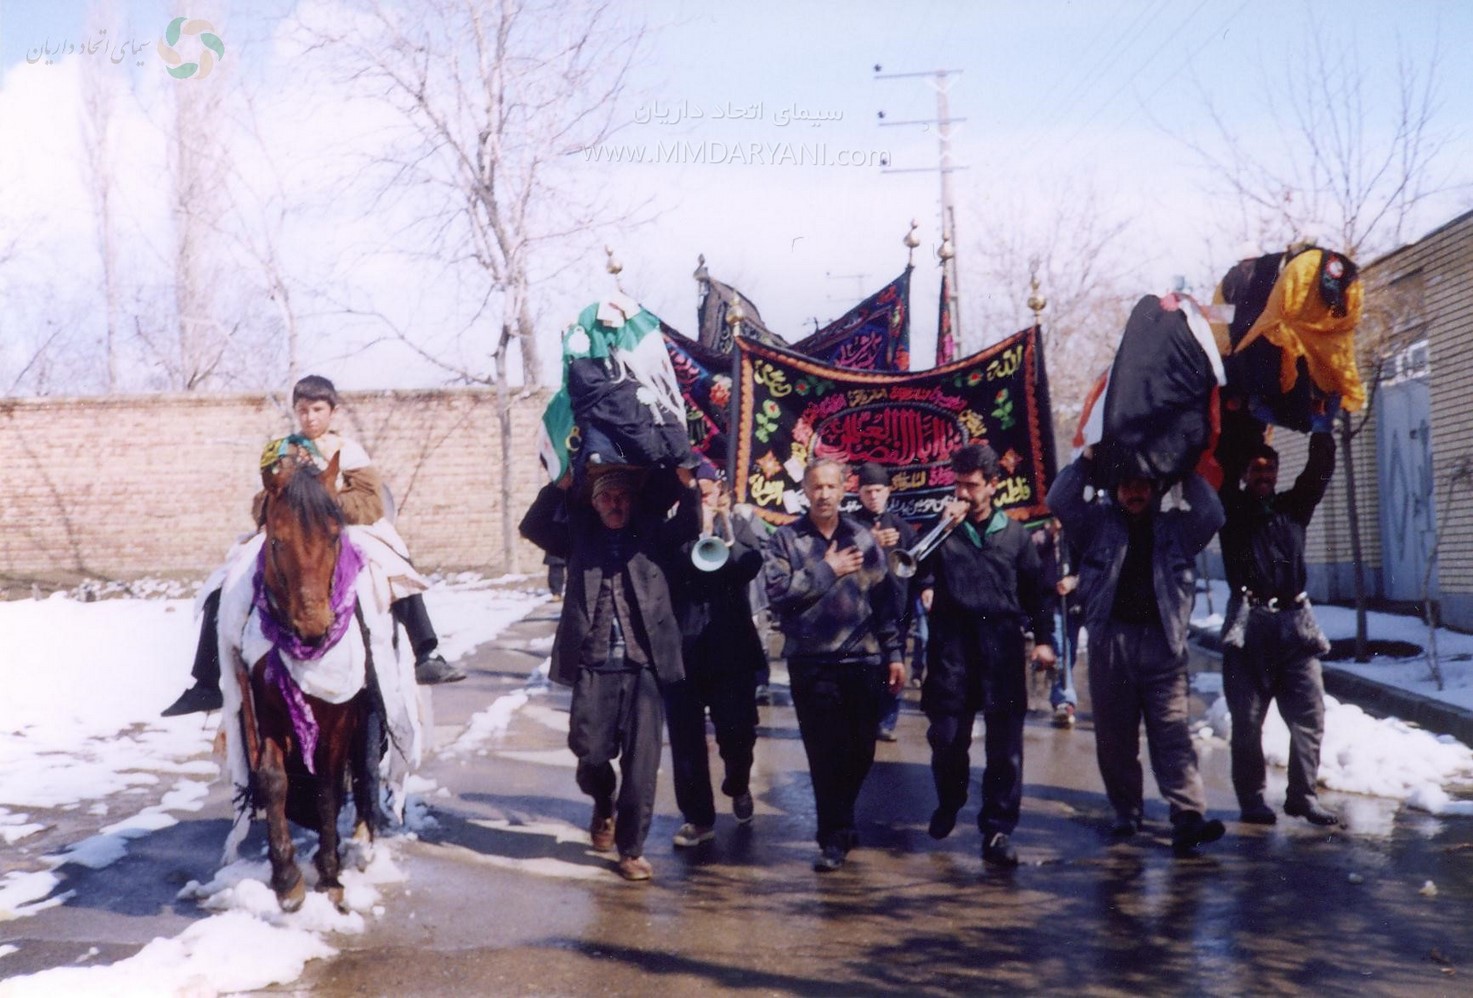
[(283, 638)]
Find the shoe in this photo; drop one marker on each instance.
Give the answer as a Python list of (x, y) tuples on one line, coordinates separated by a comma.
[(1064, 715), (1192, 830), (741, 807), (601, 830), (999, 851), (1311, 812), (693, 835), (432, 669), (1124, 826), (764, 696), (831, 859), (886, 735), (197, 699), (943, 820), (1256, 812), (635, 868)]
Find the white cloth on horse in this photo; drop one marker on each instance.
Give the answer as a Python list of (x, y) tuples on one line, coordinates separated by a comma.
[(387, 554), (242, 646)]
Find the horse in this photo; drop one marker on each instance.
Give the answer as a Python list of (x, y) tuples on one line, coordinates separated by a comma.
[(300, 748)]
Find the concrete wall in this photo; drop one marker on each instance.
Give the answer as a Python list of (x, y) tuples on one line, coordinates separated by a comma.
[(159, 486)]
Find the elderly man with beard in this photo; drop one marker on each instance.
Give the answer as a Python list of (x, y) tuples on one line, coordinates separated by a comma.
[(617, 640), (1136, 572), (828, 584)]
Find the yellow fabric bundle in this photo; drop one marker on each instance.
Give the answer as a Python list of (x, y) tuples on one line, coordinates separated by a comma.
[(1300, 323)]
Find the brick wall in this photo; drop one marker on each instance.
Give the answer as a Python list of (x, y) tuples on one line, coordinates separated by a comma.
[(126, 487)]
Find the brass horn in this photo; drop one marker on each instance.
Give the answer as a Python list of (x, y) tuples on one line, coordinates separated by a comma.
[(714, 550), (905, 562)]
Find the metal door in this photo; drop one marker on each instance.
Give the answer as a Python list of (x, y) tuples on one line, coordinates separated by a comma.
[(1408, 525)]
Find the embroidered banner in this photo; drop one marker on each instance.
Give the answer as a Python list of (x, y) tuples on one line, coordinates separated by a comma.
[(704, 376), (792, 409), (872, 336)]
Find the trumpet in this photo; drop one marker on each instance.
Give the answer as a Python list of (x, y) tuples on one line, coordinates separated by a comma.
[(905, 562), (714, 548)]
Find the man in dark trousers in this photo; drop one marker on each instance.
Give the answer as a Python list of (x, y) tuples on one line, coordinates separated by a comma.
[(989, 589), (722, 657), (1271, 641), (891, 533), (828, 585), (1138, 578), (617, 641)]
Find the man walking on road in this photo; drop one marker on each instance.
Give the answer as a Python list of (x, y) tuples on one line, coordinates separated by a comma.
[(617, 641), (892, 534), (1270, 639), (828, 585), (1139, 583), (988, 589)]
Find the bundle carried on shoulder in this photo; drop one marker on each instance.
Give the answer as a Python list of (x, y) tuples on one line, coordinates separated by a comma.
[(620, 403), (1153, 415)]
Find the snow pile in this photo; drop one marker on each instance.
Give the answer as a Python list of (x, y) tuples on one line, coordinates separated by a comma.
[(1364, 755)]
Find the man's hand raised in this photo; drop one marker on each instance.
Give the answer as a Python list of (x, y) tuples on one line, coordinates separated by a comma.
[(845, 561)]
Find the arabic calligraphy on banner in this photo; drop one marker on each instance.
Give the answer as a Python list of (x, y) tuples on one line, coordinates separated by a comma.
[(793, 410)]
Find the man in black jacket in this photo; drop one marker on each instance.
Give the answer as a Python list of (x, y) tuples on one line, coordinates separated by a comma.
[(1271, 641), (891, 534), (722, 656), (989, 589), (617, 641)]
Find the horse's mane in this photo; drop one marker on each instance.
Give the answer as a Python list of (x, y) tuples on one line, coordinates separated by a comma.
[(314, 505)]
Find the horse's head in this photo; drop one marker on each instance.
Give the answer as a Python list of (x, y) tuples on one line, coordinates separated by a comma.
[(304, 526)]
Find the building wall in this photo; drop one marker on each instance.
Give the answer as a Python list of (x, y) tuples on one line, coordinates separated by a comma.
[(127, 487)]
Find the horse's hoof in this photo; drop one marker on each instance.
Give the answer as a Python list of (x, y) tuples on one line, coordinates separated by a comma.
[(291, 899), (335, 895)]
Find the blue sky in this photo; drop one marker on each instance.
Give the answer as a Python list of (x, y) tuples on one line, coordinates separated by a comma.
[(1051, 92)]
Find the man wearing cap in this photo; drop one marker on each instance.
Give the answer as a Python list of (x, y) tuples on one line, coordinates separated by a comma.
[(1137, 573), (989, 589), (891, 533), (617, 641), (826, 582)]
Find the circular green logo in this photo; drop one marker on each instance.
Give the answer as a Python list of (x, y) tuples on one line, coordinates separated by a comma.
[(205, 45)]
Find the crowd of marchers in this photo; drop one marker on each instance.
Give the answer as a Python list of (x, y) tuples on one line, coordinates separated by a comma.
[(658, 628)]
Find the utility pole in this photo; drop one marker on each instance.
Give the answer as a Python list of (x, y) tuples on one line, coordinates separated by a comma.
[(941, 82)]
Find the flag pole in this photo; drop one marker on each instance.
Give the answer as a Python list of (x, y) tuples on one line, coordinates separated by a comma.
[(734, 316)]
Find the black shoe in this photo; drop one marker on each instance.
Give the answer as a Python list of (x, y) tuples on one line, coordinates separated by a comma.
[(195, 700), (1311, 812), (764, 696), (741, 807), (1256, 812), (999, 851), (432, 669), (831, 859), (943, 820), (1192, 830), (1124, 826)]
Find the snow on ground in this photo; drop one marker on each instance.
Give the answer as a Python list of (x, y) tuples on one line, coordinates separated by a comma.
[(85, 681), (1365, 755)]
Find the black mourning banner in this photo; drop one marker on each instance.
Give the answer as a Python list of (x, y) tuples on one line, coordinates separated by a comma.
[(792, 410)]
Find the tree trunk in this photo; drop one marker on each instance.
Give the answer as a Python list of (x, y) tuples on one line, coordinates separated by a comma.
[(1352, 514)]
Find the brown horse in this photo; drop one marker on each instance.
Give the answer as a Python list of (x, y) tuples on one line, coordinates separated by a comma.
[(301, 612)]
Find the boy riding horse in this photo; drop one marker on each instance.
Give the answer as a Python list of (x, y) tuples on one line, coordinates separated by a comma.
[(314, 401)]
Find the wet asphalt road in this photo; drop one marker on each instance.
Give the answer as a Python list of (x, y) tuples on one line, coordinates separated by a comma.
[(505, 897)]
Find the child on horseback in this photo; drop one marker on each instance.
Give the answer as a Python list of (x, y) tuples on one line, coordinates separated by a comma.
[(314, 401)]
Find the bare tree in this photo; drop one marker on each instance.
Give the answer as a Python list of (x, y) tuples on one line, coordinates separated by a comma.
[(98, 141), (1077, 253), (498, 96), (1330, 166)]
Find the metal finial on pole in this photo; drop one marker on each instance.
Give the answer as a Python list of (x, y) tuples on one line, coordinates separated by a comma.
[(1036, 302), (614, 267), (701, 274), (911, 242)]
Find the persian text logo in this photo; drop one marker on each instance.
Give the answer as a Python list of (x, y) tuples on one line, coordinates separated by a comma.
[(207, 48)]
